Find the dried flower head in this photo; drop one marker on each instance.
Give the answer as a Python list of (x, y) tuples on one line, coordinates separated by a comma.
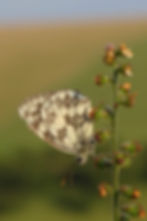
[(126, 87), (102, 136), (136, 194), (127, 70), (142, 213), (102, 189), (110, 55), (131, 99), (125, 51), (101, 79), (131, 146), (130, 192)]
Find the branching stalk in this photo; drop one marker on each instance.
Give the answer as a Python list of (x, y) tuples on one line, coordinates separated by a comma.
[(116, 176)]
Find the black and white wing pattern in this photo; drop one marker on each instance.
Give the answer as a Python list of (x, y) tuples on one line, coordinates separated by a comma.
[(61, 119)]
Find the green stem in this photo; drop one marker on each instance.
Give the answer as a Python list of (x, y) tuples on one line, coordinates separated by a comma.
[(116, 175)]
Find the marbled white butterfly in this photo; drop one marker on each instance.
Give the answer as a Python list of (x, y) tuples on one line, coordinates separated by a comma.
[(61, 119)]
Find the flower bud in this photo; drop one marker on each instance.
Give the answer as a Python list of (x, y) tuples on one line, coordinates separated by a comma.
[(110, 55), (126, 87), (102, 136), (131, 146), (134, 210), (119, 158), (101, 79), (101, 113), (130, 100), (130, 192), (103, 189), (136, 194), (127, 70), (142, 213), (128, 146), (125, 51)]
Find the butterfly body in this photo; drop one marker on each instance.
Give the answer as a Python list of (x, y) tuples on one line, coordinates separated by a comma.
[(61, 119)]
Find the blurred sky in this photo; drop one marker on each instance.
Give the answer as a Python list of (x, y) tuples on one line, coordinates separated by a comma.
[(52, 10)]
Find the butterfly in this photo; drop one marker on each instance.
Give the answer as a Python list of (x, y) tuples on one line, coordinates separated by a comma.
[(61, 118)]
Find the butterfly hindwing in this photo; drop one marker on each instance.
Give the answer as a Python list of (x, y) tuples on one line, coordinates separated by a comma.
[(61, 119)]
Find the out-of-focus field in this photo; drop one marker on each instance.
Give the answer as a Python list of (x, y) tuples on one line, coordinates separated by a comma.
[(35, 59)]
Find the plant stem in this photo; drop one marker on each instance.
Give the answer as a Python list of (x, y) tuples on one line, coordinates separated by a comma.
[(116, 176)]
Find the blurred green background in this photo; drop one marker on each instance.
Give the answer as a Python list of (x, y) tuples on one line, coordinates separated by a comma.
[(38, 58)]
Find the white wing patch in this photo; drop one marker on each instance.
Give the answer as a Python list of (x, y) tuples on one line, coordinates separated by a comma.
[(61, 119)]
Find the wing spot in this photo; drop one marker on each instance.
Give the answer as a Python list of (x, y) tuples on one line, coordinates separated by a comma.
[(48, 136), (62, 133), (75, 121)]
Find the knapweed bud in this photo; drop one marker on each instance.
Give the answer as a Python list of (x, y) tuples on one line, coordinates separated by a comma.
[(128, 146), (136, 194), (101, 79), (134, 210), (131, 146), (131, 99), (101, 113), (142, 213), (126, 87), (127, 70), (130, 192), (121, 159), (110, 55), (98, 113), (125, 51), (103, 189), (102, 136)]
